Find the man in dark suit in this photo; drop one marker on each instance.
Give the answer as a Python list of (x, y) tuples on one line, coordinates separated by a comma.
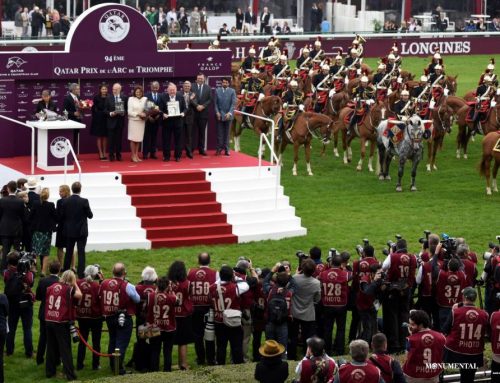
[(41, 292), (149, 144), (46, 102), (172, 124), (74, 215), (12, 218), (249, 20), (71, 104), (115, 108), (225, 102), (201, 103), (187, 123), (265, 17)]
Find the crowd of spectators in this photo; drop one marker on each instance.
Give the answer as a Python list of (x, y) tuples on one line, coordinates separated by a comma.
[(40, 22), (296, 312)]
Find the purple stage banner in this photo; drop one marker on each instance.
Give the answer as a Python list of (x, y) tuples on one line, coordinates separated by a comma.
[(376, 46), (108, 43)]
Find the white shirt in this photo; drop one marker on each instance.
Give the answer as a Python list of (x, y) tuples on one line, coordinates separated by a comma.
[(387, 263), (171, 15)]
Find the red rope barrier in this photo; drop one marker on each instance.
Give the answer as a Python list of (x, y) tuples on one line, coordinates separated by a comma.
[(90, 347)]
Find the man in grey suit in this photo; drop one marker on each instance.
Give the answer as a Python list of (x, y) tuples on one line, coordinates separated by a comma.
[(225, 101), (201, 103)]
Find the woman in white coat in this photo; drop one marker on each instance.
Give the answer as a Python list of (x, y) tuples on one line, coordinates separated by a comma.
[(136, 121)]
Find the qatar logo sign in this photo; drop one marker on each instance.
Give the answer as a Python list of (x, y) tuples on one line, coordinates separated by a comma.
[(114, 25), (59, 147)]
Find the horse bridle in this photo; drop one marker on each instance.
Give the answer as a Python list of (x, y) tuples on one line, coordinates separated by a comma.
[(313, 132), (440, 119)]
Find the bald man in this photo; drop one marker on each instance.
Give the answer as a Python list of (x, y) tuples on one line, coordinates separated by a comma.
[(115, 108)]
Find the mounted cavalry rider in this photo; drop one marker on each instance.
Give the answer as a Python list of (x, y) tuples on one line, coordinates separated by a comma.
[(293, 102), (337, 69), (317, 55), (489, 71), (252, 93), (270, 55), (436, 60), (249, 62), (421, 95), (485, 98), (392, 66), (281, 74), (404, 108), (363, 96), (397, 58), (322, 82), (352, 63), (436, 80), (380, 81)]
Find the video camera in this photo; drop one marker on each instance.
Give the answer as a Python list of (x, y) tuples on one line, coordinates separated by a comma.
[(449, 244), (331, 253), (301, 255), (26, 262), (360, 248), (492, 247)]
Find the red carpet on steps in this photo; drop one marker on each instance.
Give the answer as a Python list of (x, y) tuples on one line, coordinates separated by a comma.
[(178, 208)]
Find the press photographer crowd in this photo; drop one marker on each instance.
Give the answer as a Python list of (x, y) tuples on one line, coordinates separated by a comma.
[(427, 305)]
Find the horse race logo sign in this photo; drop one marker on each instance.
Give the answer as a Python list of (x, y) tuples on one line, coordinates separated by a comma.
[(114, 25), (59, 147)]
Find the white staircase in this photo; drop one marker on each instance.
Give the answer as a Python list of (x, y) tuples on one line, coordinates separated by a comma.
[(254, 203), (115, 225)]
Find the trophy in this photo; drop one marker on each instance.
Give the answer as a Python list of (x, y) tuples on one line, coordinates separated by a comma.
[(119, 107)]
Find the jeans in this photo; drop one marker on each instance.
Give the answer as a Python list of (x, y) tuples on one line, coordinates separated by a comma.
[(368, 320), (277, 332), (119, 337), (26, 316)]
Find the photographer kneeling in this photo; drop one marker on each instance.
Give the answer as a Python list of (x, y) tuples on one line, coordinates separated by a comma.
[(19, 280)]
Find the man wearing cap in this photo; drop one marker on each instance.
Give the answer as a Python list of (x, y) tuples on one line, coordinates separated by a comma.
[(435, 61), (322, 82), (403, 108), (281, 74), (316, 366), (420, 94), (465, 335), (424, 347), (270, 55), (252, 88), (215, 44), (352, 59), (337, 69), (304, 61), (363, 96), (317, 55), (484, 95), (249, 62), (293, 101), (391, 66), (271, 368), (358, 367)]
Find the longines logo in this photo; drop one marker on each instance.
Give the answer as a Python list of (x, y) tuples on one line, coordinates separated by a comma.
[(15, 62), (114, 25), (59, 148)]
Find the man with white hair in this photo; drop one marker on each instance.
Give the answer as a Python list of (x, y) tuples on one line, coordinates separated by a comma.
[(350, 371), (115, 108), (172, 123), (37, 21)]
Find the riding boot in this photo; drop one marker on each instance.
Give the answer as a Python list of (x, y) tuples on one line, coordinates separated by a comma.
[(352, 123), (280, 131)]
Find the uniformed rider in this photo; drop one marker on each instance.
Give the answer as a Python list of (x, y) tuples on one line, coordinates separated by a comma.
[(322, 82), (252, 91), (250, 61), (293, 102), (363, 95)]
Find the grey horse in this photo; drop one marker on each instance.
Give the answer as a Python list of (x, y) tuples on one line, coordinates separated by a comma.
[(409, 148)]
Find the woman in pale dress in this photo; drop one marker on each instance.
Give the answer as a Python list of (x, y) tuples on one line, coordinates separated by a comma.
[(136, 121)]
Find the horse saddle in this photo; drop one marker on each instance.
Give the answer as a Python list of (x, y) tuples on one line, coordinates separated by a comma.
[(484, 109), (496, 148), (360, 113)]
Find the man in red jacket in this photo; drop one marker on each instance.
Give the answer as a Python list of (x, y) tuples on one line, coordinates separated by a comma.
[(466, 329), (495, 346), (424, 347), (358, 370), (389, 367)]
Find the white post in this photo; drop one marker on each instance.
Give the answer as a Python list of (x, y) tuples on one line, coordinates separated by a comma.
[(300, 13), (68, 8), (403, 10)]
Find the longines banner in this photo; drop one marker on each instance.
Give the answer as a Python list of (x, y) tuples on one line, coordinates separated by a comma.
[(108, 43), (423, 45)]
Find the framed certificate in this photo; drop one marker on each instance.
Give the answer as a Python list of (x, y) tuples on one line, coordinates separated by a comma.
[(120, 106), (173, 108)]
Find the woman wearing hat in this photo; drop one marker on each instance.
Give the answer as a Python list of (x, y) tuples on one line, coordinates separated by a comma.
[(271, 367)]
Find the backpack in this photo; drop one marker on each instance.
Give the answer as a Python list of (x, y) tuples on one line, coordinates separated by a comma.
[(277, 307), (14, 287)]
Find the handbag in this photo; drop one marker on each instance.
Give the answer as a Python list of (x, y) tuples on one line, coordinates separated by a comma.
[(230, 317)]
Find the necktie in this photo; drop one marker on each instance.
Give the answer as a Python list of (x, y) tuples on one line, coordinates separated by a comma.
[(116, 98), (154, 97)]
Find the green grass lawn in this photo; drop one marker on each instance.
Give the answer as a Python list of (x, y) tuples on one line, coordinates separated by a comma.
[(339, 207)]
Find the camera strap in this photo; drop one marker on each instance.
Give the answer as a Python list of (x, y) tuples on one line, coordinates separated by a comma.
[(219, 293)]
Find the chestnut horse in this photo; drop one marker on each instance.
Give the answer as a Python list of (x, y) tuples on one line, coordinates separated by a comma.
[(307, 125), (267, 107), (366, 131), (441, 117), (491, 151), (333, 107), (463, 135)]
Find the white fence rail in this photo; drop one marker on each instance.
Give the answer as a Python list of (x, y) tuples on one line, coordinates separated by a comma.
[(32, 139)]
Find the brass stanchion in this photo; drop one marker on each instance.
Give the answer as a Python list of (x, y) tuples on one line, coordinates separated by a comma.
[(116, 361)]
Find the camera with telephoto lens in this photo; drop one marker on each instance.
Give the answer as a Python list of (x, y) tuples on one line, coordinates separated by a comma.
[(121, 318), (331, 253), (209, 334), (425, 240), (492, 247), (449, 244), (391, 245), (301, 255), (25, 262), (73, 332)]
